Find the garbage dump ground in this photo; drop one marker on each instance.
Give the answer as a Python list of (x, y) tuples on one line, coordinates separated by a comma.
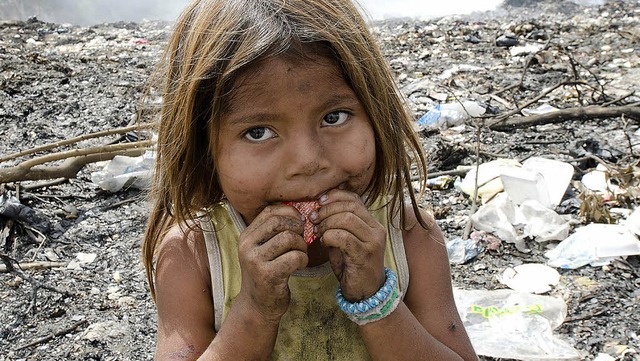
[(529, 117)]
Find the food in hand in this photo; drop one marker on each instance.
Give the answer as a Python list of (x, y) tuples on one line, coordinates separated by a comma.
[(305, 208)]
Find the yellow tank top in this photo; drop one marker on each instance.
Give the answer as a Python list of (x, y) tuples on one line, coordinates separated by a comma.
[(314, 327)]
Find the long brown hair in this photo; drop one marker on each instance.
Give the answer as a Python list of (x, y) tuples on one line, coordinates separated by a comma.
[(213, 42)]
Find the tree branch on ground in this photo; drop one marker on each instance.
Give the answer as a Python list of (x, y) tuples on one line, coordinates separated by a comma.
[(74, 140), (584, 113), (33, 169)]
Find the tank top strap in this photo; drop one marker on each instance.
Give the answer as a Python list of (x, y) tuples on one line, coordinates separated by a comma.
[(221, 228)]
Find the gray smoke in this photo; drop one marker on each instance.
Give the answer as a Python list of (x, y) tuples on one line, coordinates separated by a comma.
[(90, 12)]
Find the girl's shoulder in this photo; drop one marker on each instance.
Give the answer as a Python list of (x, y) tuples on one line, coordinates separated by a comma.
[(411, 220), (421, 238), (183, 250), (185, 234)]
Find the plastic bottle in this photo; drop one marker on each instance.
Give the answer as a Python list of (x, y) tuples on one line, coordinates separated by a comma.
[(446, 115)]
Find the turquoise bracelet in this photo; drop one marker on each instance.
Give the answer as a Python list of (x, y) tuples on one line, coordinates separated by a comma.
[(376, 307)]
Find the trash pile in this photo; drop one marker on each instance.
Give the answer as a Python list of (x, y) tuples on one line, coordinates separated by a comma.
[(519, 203), (536, 195), (528, 117)]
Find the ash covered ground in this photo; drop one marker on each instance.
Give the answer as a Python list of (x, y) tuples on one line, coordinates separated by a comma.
[(61, 81)]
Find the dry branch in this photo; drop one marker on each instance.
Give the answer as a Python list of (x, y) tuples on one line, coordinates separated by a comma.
[(33, 169), (583, 113), (34, 265), (62, 332), (77, 139)]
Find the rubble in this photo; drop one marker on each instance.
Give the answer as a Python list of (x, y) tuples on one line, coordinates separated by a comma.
[(555, 80)]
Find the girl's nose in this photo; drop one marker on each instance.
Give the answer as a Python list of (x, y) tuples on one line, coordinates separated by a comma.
[(306, 156)]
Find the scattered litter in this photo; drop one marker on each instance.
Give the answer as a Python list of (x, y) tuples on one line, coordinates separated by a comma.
[(126, 301), (447, 115), (489, 182), (440, 183), (486, 239), (472, 39), (11, 208), (458, 68), (632, 223), (501, 215), (498, 217), (604, 357), (525, 49), (105, 331), (507, 40), (541, 179), (531, 278), (82, 259), (541, 223), (542, 109), (598, 181), (595, 244), (462, 250), (122, 172), (117, 276), (514, 325)]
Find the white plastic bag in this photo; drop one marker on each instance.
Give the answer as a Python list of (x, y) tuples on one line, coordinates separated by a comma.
[(447, 115), (514, 325), (595, 244), (489, 181), (122, 172), (542, 223), (498, 217)]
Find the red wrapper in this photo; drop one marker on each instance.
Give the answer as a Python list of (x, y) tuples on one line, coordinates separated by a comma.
[(305, 208)]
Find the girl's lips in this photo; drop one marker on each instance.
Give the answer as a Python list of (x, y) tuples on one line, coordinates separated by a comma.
[(306, 208)]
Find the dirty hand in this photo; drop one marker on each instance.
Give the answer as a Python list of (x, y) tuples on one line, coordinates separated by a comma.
[(356, 243), (270, 250)]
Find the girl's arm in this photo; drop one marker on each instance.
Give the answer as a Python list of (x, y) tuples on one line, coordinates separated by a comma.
[(185, 308), (426, 326), (271, 248)]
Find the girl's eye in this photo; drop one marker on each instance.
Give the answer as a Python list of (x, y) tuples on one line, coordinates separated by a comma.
[(259, 134), (335, 118)]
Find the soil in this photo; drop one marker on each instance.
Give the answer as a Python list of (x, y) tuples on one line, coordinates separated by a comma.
[(59, 81)]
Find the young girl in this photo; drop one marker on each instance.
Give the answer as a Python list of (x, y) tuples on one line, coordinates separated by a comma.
[(271, 106)]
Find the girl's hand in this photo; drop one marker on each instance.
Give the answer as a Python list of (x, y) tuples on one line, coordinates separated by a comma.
[(356, 243), (270, 250)]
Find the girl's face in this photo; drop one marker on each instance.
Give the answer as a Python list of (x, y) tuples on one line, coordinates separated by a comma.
[(293, 131)]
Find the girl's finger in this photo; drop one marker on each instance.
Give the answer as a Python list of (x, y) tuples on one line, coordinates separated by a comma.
[(289, 262), (279, 244), (343, 240), (271, 221), (350, 222), (339, 201)]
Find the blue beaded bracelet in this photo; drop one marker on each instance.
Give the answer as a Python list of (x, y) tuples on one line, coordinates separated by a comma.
[(375, 307)]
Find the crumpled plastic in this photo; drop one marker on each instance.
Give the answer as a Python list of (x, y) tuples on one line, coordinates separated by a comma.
[(123, 172), (11, 208), (514, 325), (489, 181), (594, 244), (501, 214), (462, 250)]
